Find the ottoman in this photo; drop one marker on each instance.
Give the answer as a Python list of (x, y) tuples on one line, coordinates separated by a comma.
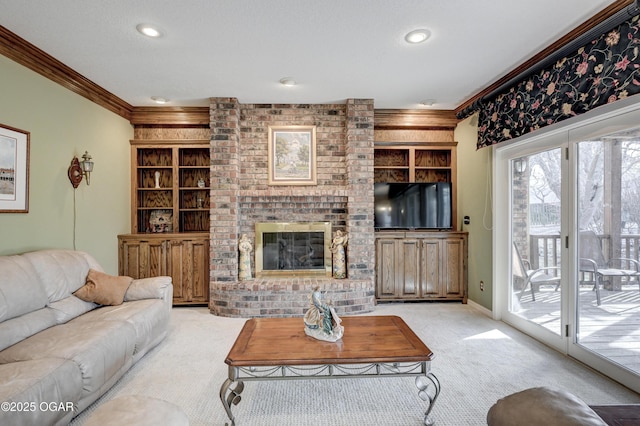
[(138, 410), (542, 406)]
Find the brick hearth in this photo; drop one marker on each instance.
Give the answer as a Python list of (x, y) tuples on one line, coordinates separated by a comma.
[(289, 297), (240, 197)]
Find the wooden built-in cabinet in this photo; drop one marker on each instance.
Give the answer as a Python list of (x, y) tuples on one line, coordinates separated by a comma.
[(419, 147), (427, 265), (420, 265), (416, 162), (170, 179), (179, 167), (396, 162), (183, 257)]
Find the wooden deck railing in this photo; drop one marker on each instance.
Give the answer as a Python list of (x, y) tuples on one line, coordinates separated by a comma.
[(544, 250)]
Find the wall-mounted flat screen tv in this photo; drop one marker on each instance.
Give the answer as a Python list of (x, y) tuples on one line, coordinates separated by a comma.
[(413, 205)]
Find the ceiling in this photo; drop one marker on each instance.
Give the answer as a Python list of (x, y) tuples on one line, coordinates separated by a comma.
[(333, 49)]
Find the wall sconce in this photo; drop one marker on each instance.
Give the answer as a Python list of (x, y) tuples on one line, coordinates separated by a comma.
[(77, 169), (520, 165)]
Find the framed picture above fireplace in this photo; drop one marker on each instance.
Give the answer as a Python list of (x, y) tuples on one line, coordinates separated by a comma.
[(292, 155)]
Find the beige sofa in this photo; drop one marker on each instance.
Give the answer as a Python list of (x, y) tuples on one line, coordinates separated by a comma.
[(58, 353)]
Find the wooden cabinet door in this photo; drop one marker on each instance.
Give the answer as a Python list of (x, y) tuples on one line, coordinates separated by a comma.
[(177, 270), (453, 267), (397, 268), (408, 268), (430, 250), (386, 268), (188, 268), (200, 270), (141, 258)]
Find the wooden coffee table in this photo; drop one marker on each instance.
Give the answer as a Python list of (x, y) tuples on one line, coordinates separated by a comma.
[(372, 346)]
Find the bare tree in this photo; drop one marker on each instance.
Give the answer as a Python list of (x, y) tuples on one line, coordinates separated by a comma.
[(544, 174), (590, 185), (549, 163), (630, 186)]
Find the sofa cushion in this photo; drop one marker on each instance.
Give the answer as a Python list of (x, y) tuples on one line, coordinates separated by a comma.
[(149, 318), (100, 349), (16, 329), (542, 406), (69, 308), (61, 272), (21, 291), (103, 289), (46, 380)]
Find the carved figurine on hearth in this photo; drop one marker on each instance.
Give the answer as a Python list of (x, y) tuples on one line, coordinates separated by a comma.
[(321, 320), (245, 247), (338, 245)]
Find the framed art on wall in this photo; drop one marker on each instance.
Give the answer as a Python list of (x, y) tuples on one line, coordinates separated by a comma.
[(292, 155), (14, 170)]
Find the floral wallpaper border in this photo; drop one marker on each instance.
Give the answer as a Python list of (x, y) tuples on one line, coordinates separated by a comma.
[(603, 71)]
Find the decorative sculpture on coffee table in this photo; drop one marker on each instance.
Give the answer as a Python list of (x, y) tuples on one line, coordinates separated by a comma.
[(321, 320), (338, 245), (245, 247)]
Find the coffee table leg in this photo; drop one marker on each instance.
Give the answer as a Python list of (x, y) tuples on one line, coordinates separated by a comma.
[(428, 390), (232, 398)]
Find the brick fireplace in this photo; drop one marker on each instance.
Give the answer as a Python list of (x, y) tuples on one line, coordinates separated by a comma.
[(241, 197)]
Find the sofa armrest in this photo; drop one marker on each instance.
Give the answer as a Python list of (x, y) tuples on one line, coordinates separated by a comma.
[(150, 288)]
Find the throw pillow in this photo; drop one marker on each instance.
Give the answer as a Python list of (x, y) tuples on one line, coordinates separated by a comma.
[(103, 289)]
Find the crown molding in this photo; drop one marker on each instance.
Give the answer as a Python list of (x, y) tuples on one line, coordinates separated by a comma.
[(414, 119), (28, 55), (185, 116)]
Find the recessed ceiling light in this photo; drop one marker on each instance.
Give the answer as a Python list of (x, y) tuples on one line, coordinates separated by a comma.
[(417, 36), (159, 100), (428, 102), (148, 30), (288, 81)]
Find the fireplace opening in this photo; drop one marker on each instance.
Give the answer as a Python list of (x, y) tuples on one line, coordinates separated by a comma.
[(293, 249)]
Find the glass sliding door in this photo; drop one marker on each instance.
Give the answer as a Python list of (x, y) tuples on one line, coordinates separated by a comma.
[(567, 208), (535, 292), (608, 236), (530, 218)]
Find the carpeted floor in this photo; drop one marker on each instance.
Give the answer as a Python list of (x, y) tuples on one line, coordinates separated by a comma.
[(478, 360)]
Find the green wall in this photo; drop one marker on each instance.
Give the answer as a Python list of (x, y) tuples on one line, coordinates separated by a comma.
[(474, 200), (63, 124)]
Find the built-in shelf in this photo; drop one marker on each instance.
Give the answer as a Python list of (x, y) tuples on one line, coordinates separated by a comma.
[(170, 178), (414, 162), (400, 162)]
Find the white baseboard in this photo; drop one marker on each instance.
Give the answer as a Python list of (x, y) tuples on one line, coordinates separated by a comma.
[(480, 308)]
